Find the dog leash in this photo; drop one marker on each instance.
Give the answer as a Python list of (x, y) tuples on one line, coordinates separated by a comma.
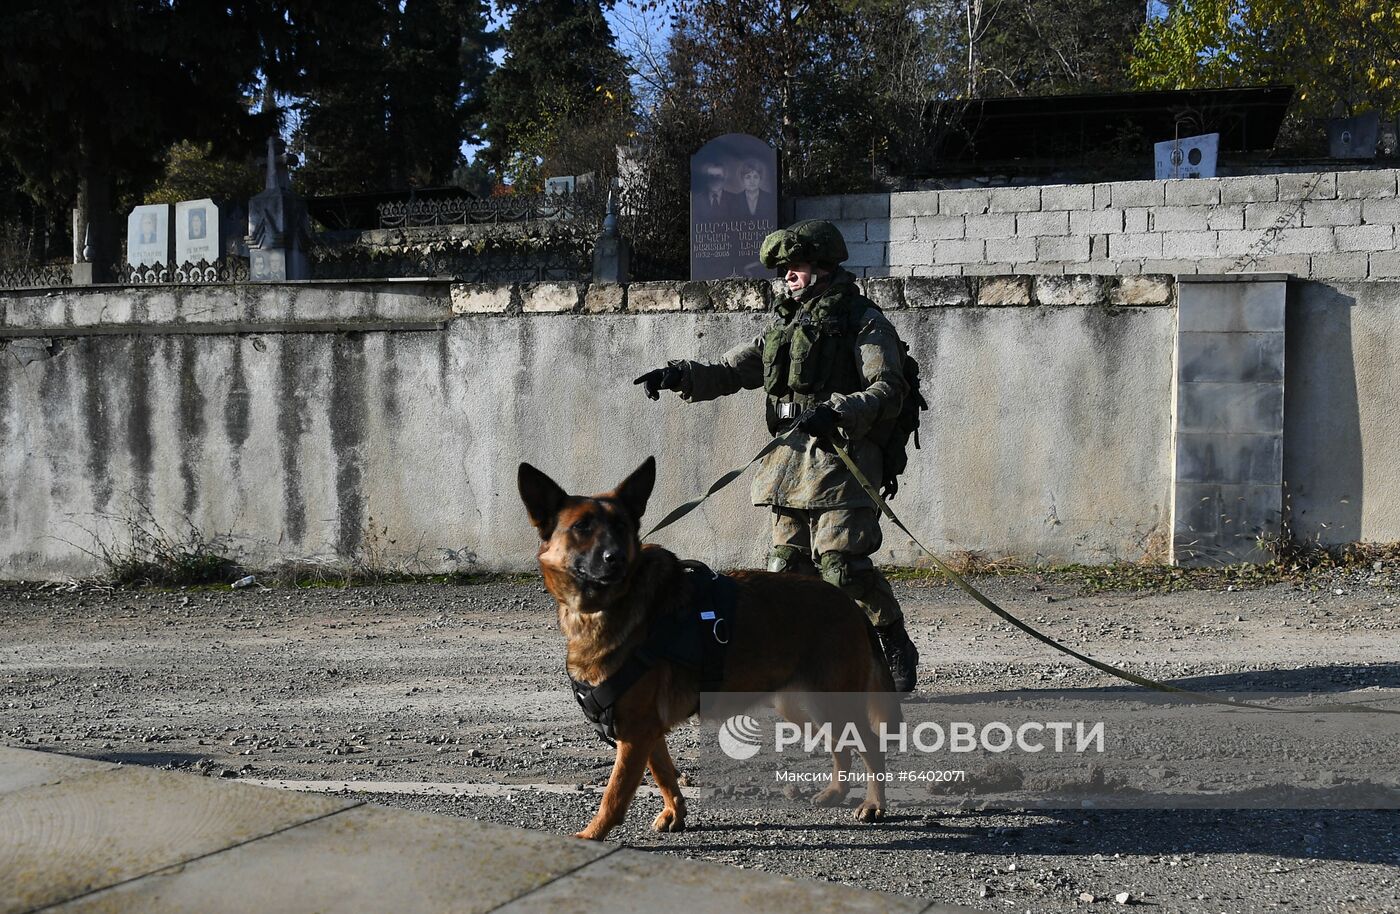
[(718, 484), (1108, 668), (988, 602)]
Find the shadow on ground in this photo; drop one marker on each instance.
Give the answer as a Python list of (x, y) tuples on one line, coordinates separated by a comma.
[(1356, 836)]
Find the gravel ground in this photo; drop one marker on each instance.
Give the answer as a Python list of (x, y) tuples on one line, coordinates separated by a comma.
[(418, 684)]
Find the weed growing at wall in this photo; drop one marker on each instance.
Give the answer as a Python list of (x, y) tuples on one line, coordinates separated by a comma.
[(153, 556), (1307, 566)]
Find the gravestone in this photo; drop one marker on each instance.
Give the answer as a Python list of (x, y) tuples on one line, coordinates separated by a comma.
[(1187, 157), (197, 228), (148, 236), (564, 184), (733, 205), (278, 226), (1354, 137)]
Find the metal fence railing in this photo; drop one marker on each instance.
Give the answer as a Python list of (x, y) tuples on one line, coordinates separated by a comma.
[(543, 237)]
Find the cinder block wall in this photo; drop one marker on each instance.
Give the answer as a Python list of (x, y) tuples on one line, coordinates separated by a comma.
[(1326, 225)]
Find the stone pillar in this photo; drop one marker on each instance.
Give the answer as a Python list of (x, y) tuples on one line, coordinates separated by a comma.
[(92, 248), (1228, 428)]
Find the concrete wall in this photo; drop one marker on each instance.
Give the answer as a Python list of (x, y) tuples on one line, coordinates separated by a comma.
[(385, 421), (1341, 456), (1329, 225)]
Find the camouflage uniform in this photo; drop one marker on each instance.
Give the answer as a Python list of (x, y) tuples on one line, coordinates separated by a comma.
[(823, 522)]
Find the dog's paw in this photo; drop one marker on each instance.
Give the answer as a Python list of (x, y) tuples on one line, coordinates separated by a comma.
[(586, 835), (869, 812), (669, 820), (831, 796)]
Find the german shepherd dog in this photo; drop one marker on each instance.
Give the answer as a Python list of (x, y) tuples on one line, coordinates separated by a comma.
[(792, 633)]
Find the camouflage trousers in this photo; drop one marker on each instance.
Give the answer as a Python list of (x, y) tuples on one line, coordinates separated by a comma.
[(836, 543)]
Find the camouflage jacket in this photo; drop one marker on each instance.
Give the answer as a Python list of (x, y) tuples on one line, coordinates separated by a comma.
[(800, 474)]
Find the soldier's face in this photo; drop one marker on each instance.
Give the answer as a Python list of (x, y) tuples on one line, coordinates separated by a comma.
[(800, 276)]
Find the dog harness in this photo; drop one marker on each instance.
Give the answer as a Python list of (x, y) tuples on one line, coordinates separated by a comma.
[(695, 639)]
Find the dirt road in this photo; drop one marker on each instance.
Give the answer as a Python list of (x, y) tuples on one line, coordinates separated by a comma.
[(399, 688)]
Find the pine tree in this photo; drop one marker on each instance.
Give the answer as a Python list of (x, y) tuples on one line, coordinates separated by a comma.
[(561, 96), (389, 93)]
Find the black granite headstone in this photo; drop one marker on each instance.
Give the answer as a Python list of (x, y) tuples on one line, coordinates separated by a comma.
[(733, 205)]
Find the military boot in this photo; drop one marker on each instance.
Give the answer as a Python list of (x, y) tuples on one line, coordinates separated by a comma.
[(900, 654)]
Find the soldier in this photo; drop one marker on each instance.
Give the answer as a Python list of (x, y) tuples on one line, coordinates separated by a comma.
[(832, 366)]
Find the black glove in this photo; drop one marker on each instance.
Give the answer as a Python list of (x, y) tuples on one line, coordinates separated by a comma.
[(658, 379), (889, 489), (820, 421)]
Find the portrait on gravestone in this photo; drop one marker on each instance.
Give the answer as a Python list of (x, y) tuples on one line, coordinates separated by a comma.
[(148, 235), (197, 231), (752, 200), (709, 199), (733, 205)]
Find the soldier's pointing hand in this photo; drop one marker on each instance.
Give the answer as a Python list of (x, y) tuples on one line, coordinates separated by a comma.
[(659, 379)]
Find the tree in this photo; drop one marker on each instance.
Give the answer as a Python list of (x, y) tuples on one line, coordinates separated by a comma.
[(194, 170), (991, 48), (1056, 47), (388, 92), (134, 76), (1343, 56), (560, 101)]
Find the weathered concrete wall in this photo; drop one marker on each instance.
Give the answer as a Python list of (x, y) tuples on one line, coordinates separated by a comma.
[(369, 421), (1324, 225), (1341, 463)]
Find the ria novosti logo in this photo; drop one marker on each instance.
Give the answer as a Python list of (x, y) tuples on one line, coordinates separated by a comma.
[(740, 737)]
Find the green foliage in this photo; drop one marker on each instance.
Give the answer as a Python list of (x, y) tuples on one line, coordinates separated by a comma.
[(194, 171), (1342, 55)]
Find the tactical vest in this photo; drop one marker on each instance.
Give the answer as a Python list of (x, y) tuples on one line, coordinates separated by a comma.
[(810, 353)]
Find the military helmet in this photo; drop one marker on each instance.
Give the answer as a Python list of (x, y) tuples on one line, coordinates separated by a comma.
[(809, 241)]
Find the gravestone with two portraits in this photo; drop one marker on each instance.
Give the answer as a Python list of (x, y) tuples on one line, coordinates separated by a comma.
[(733, 205)]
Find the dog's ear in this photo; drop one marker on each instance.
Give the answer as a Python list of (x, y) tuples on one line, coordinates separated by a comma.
[(636, 489), (542, 497)]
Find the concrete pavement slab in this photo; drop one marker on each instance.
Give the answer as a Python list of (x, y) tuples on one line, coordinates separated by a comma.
[(21, 768), (633, 880), (60, 840), (369, 859)]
